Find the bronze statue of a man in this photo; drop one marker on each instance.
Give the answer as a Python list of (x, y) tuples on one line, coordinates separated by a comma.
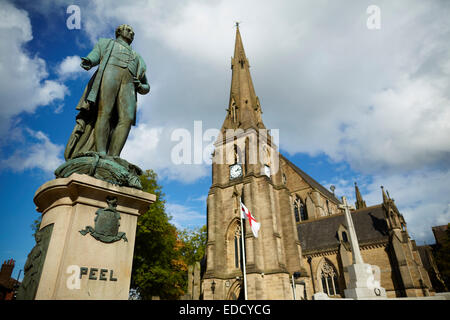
[(108, 105)]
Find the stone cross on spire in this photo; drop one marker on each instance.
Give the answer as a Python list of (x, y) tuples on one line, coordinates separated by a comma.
[(356, 253)]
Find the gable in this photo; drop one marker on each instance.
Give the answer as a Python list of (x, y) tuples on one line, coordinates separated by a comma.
[(309, 181)]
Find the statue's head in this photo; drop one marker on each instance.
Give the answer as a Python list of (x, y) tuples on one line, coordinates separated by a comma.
[(126, 32)]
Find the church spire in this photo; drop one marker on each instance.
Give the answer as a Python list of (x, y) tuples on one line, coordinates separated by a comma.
[(360, 203), (244, 110)]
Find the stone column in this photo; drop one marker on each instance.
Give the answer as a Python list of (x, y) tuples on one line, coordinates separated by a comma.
[(364, 279), (356, 253), (90, 244)]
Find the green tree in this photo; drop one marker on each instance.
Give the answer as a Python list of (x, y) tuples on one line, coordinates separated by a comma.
[(158, 266), (194, 246)]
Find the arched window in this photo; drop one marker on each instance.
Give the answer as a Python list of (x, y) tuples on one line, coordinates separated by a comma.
[(344, 236), (237, 247), (296, 212), (300, 210), (233, 245), (233, 111), (329, 279), (303, 212), (236, 154), (297, 203)]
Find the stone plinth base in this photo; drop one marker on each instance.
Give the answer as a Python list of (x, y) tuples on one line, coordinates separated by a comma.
[(365, 293), (90, 248), (364, 282)]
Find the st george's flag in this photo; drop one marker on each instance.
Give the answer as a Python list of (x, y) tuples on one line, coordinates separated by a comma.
[(245, 214)]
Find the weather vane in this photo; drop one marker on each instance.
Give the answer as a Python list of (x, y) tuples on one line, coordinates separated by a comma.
[(237, 24)]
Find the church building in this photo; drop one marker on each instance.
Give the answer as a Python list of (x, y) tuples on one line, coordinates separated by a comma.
[(303, 238)]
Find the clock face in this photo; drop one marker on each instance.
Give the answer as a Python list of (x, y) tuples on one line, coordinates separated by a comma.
[(235, 171), (267, 170)]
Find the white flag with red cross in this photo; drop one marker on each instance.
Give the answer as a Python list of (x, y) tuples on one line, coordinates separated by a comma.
[(245, 214)]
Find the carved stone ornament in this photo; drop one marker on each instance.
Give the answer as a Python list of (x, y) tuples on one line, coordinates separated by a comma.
[(107, 168), (327, 270), (34, 264), (106, 224)]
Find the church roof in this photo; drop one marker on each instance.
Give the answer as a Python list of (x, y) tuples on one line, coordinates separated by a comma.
[(313, 183), (321, 234), (440, 233)]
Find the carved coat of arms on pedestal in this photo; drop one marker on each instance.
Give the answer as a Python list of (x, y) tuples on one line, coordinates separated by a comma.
[(107, 222)]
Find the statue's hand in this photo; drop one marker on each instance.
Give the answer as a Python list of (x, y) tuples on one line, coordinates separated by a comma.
[(86, 64), (137, 83), (141, 87)]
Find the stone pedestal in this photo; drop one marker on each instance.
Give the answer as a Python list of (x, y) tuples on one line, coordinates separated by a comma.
[(364, 283), (91, 243)]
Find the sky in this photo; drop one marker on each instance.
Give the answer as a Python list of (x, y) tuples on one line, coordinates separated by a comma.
[(358, 93)]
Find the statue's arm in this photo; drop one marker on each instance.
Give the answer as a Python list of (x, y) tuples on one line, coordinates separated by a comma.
[(142, 85), (94, 57)]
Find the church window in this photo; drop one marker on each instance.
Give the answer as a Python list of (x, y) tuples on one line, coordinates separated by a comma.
[(299, 210), (237, 154), (237, 247), (236, 251), (344, 236), (296, 212), (246, 154), (329, 279), (233, 112), (324, 285), (303, 212)]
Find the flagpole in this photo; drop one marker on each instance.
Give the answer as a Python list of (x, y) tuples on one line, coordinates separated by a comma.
[(243, 258)]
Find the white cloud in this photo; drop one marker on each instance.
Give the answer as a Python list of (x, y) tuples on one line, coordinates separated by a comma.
[(406, 128), (23, 79), (151, 148), (184, 216), (70, 67), (332, 85), (421, 196), (201, 199), (36, 151)]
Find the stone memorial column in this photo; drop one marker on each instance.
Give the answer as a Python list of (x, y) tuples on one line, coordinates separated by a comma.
[(364, 282)]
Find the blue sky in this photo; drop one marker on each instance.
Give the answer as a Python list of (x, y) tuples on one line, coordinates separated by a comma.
[(351, 104)]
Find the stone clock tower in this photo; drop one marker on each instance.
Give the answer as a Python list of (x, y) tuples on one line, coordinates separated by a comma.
[(246, 166)]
